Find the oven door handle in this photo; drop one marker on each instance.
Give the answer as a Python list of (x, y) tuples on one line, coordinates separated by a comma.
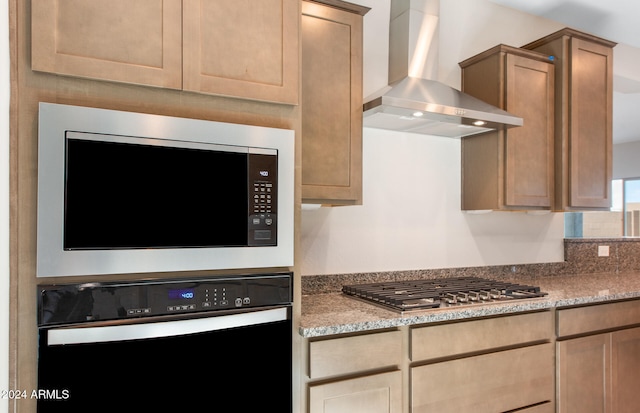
[(82, 335)]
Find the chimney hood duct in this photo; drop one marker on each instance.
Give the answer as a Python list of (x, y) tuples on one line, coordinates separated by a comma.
[(413, 102)]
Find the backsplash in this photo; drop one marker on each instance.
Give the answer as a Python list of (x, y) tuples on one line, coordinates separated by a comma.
[(581, 256)]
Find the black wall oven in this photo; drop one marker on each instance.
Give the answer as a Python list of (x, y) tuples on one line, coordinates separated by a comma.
[(212, 344)]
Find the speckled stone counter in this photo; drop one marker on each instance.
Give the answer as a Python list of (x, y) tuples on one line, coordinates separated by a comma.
[(333, 313)]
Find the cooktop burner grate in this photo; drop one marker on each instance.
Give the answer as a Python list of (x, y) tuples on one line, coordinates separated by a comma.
[(436, 293)]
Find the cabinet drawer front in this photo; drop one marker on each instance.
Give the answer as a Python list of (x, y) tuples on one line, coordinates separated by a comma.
[(472, 336), (493, 382), (380, 393), (573, 321), (353, 354)]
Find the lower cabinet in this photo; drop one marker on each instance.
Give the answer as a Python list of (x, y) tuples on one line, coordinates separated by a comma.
[(583, 374), (625, 369), (488, 365), (451, 367), (509, 363), (495, 382), (600, 373), (353, 374), (598, 358), (379, 393)]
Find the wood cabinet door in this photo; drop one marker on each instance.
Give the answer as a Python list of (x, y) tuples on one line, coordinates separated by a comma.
[(625, 367), (496, 382), (331, 105), (117, 40), (584, 375), (590, 136), (242, 48), (510, 169), (529, 149), (583, 105), (380, 393)]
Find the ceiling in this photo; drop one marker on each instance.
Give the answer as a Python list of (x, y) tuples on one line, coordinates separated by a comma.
[(615, 20)]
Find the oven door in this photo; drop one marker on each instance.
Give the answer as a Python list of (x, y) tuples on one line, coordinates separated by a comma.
[(238, 362)]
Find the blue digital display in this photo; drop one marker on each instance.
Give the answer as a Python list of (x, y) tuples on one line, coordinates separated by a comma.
[(182, 294)]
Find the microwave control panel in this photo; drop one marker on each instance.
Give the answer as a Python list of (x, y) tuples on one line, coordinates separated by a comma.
[(263, 200)]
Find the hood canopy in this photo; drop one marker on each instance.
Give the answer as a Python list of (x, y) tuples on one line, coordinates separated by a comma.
[(415, 103)]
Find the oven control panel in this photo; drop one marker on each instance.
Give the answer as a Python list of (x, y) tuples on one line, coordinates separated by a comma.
[(75, 303)]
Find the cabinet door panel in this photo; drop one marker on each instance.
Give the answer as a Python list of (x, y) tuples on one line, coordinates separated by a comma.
[(590, 139), (625, 359), (583, 105), (117, 40), (331, 105), (529, 149), (327, 121), (242, 48), (381, 393), (510, 169), (584, 383), (495, 382)]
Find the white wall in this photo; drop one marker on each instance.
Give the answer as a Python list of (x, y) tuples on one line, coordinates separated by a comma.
[(410, 217), (626, 160), (4, 202)]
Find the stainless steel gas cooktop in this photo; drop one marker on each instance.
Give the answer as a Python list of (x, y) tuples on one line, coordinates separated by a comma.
[(438, 293)]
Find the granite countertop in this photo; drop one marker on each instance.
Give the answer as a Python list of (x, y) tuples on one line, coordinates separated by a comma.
[(334, 313)]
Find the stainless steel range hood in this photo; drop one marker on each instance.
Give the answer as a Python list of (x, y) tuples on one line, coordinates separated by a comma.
[(415, 103)]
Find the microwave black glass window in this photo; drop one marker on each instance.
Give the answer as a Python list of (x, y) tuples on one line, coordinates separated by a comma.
[(126, 196)]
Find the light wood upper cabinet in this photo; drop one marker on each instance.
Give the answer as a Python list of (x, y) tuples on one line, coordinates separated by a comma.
[(242, 49), (583, 99), (512, 169), (332, 102), (118, 40)]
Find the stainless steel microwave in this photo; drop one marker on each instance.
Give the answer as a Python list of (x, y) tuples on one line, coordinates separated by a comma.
[(123, 192)]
